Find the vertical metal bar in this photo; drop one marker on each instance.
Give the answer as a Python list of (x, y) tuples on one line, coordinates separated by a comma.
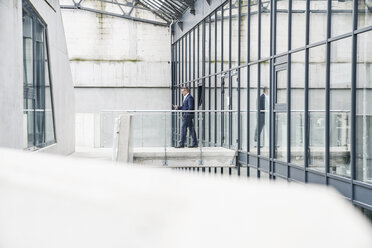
[(238, 86), (306, 97), (327, 100), (209, 79), (222, 79), (185, 51), (189, 84), (289, 69), (203, 81), (182, 60), (215, 78), (194, 63), (353, 99), (258, 86), (230, 79), (248, 79), (172, 89), (272, 86)]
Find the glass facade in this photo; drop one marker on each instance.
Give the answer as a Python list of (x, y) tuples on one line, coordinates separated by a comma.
[(295, 81), (38, 105)]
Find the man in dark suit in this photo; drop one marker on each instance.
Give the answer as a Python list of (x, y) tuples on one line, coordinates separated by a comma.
[(187, 118), (264, 100)]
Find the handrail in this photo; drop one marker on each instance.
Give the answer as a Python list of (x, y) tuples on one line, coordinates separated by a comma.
[(174, 111)]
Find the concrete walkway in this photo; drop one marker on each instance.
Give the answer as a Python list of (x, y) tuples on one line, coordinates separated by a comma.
[(156, 156)]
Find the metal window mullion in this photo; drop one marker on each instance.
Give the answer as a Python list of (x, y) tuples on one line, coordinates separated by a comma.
[(327, 100), (272, 114), (258, 88), (190, 78), (239, 50), (182, 60), (209, 78), (306, 97), (172, 91), (230, 81), (248, 78), (289, 69), (353, 100), (215, 78), (203, 80), (222, 79)]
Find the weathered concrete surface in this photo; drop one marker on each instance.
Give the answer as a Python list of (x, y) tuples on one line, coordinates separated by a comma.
[(116, 64), (11, 77)]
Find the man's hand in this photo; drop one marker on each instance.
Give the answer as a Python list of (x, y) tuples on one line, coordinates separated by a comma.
[(175, 106)]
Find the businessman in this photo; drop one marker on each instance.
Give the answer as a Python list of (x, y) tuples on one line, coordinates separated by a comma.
[(264, 105), (187, 118)]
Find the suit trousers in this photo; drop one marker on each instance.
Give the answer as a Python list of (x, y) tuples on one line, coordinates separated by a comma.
[(188, 123)]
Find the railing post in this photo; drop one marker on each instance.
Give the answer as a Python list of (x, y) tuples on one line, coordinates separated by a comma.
[(165, 162)]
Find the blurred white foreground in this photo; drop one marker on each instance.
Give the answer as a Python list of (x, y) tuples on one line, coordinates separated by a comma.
[(51, 202)]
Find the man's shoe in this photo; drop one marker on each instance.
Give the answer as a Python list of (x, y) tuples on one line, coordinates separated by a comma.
[(193, 146), (180, 146)]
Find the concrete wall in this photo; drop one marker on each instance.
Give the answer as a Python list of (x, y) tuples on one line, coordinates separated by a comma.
[(117, 64), (11, 87), (11, 76)]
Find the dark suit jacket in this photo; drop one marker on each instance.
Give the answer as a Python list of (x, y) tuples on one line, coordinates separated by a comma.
[(188, 104), (263, 102)]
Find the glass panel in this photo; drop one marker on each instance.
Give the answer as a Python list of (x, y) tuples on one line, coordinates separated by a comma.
[(340, 106), (281, 26), (297, 107), (213, 45), (265, 28), (342, 17), (207, 37), (219, 27), (40, 85), (226, 36), (317, 76), (200, 64), (253, 83), (253, 52), (234, 32), (243, 107), (28, 82), (364, 13), (264, 105), (243, 31), (225, 116), (363, 108), (298, 23), (234, 107), (281, 86), (38, 109), (218, 115), (318, 20), (281, 136)]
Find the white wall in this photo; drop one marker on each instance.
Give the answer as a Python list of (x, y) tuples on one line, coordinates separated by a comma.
[(11, 76), (116, 64)]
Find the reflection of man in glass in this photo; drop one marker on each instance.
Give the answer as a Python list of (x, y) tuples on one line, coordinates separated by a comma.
[(264, 106)]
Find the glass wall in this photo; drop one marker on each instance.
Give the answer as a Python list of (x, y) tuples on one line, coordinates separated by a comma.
[(38, 104), (299, 73)]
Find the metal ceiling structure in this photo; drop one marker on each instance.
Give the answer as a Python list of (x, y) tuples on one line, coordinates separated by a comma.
[(167, 10)]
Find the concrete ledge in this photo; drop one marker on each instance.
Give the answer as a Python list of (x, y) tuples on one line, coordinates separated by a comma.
[(184, 157)]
